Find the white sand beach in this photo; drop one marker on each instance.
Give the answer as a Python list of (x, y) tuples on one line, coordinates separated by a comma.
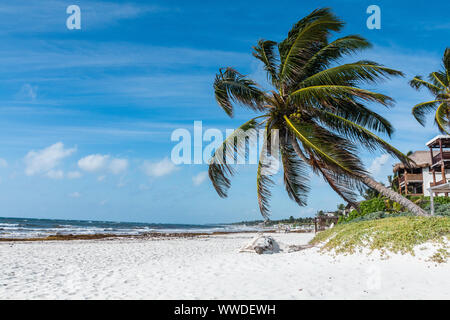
[(209, 267)]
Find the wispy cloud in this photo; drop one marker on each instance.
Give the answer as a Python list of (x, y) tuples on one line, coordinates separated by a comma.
[(93, 162), (160, 168), (199, 178), (47, 159), (53, 55), (378, 163), (73, 174), (3, 163), (27, 92), (117, 166), (99, 162), (75, 195), (37, 16)]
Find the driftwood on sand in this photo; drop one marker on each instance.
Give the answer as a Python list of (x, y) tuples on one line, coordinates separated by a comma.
[(266, 244)]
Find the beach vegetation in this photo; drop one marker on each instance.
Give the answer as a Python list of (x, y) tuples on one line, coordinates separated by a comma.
[(401, 234)]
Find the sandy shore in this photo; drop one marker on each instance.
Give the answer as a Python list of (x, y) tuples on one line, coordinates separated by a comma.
[(209, 267)]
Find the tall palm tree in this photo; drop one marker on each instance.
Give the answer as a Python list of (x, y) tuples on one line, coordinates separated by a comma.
[(439, 86), (318, 109)]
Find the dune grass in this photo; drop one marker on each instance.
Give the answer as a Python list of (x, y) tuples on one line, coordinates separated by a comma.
[(397, 235)]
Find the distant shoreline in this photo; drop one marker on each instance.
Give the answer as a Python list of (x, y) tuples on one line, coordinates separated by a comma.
[(31, 229), (150, 235)]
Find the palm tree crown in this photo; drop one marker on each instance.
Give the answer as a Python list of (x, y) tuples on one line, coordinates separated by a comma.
[(318, 108), (438, 85)]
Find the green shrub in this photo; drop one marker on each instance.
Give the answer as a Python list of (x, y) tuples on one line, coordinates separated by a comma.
[(372, 205), (365, 208), (440, 209), (424, 202), (399, 235)]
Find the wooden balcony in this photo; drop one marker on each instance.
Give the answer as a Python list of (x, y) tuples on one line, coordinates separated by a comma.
[(441, 156), (411, 177), (438, 183)]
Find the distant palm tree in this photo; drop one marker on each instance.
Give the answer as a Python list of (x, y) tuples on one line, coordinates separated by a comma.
[(317, 109), (393, 182), (439, 85)]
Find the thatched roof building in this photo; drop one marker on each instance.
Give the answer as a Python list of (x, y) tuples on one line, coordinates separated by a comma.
[(421, 159)]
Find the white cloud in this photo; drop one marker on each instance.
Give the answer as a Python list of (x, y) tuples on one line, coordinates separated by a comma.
[(159, 169), (118, 165), (3, 163), (28, 92), (200, 178), (74, 195), (93, 162), (98, 162), (45, 160), (73, 175), (101, 178), (378, 163), (55, 174)]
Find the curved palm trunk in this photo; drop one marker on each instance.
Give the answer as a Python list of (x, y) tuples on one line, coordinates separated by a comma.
[(368, 181), (394, 196)]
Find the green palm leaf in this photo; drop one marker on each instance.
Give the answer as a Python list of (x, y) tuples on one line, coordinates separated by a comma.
[(303, 47), (265, 52), (420, 110), (263, 178), (417, 83), (335, 50), (295, 176), (357, 132), (316, 94), (328, 156), (441, 117), (220, 170), (350, 74), (439, 86), (231, 86)]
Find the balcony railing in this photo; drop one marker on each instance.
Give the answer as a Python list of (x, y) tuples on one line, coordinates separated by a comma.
[(411, 177), (445, 155), (438, 183)]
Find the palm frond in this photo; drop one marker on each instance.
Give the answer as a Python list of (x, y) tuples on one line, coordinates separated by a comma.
[(439, 79), (265, 52), (334, 151), (446, 62), (351, 74), (295, 176), (420, 110), (362, 115), (286, 44), (335, 50), (315, 94), (306, 45), (341, 186), (231, 86), (417, 83), (355, 132), (220, 170), (441, 117), (263, 178)]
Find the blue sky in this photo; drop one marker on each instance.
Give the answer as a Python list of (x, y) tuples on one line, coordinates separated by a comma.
[(86, 115)]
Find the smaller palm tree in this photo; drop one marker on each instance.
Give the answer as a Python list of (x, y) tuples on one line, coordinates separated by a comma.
[(439, 85)]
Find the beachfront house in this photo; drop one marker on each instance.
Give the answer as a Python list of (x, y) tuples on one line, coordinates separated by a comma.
[(430, 170)]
